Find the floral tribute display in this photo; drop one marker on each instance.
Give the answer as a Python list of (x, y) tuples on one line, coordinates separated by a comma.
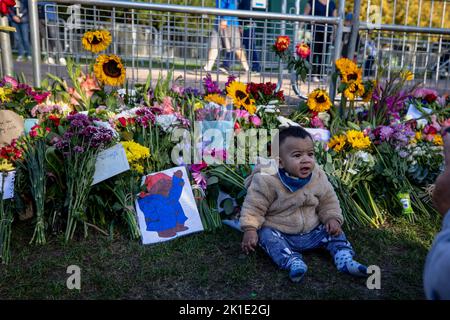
[(382, 152)]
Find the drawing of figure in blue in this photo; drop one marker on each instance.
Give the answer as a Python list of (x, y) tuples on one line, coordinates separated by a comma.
[(161, 205)]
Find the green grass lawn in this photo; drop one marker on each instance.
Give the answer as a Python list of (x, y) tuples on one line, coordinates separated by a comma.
[(211, 266)]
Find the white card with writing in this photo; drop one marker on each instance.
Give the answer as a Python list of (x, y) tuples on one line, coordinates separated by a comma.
[(110, 162), (8, 185), (319, 134)]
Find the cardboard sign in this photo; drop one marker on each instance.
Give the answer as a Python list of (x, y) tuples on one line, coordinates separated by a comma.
[(167, 209), (11, 126), (8, 186), (110, 162), (319, 134)]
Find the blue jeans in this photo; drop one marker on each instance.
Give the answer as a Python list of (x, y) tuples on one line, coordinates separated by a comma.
[(22, 38), (249, 43), (282, 247)]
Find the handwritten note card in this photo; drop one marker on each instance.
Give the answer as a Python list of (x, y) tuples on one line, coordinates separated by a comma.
[(11, 126), (110, 162), (8, 185)]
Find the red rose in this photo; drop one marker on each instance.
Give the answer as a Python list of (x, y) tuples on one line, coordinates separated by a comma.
[(56, 120), (282, 43), (302, 50), (431, 97), (123, 121)]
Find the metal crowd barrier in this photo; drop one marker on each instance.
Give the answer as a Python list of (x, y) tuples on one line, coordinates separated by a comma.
[(155, 38)]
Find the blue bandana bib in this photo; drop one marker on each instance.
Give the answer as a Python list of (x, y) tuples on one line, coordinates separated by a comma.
[(292, 183)]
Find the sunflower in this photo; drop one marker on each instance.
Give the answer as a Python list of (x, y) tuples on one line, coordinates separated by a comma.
[(354, 89), (109, 70), (241, 98), (319, 101), (346, 66), (96, 41), (357, 139), (337, 143), (352, 75), (216, 98)]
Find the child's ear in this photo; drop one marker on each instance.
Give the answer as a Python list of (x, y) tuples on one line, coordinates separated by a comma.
[(279, 161)]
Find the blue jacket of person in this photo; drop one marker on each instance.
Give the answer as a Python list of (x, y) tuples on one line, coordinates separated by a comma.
[(227, 4), (437, 267), (47, 10), (164, 212), (23, 10)]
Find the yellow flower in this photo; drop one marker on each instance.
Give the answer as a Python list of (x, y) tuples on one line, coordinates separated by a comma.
[(408, 75), (136, 154), (109, 70), (4, 93), (354, 89), (346, 66), (5, 165), (216, 98), (198, 105), (437, 140), (418, 135), (357, 139), (238, 92), (352, 75), (319, 101), (337, 142), (96, 41)]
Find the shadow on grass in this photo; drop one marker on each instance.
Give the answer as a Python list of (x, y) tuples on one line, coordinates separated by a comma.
[(211, 266)]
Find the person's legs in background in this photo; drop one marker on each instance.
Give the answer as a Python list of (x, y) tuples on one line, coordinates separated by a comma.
[(249, 44), (18, 41), (54, 42), (25, 33), (213, 51), (318, 55)]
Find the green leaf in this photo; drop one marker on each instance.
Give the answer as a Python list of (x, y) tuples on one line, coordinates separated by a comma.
[(212, 180)]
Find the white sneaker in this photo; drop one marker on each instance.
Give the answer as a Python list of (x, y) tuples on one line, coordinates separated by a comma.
[(50, 60), (315, 79), (20, 58), (206, 69), (29, 58), (62, 61)]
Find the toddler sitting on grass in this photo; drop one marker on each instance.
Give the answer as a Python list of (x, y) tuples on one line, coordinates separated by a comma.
[(295, 209)]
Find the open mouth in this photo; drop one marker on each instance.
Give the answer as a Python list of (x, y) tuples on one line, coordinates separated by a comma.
[(304, 171)]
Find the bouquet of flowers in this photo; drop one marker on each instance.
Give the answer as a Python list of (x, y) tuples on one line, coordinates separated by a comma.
[(33, 148), (8, 155), (19, 97), (297, 61), (80, 144)]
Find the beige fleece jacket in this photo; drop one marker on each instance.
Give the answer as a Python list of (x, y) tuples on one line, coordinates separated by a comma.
[(270, 204)]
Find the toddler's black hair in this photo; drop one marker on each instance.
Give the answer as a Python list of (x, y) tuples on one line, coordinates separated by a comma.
[(293, 131)]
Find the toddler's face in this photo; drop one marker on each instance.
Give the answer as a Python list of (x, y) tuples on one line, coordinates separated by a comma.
[(297, 156)]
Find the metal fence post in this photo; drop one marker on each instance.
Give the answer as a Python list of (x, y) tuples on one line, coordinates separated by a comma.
[(5, 44), (355, 29), (35, 41), (337, 46)]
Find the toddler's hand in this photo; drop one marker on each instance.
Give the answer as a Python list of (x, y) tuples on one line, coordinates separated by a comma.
[(249, 241), (333, 227)]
